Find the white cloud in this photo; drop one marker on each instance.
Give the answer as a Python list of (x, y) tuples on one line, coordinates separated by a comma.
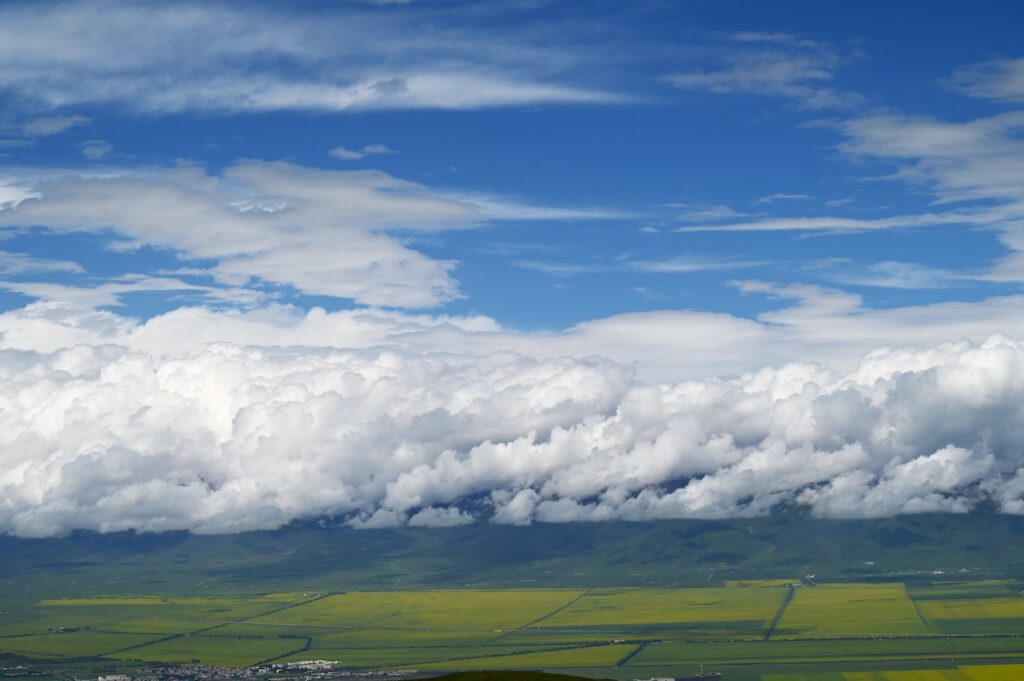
[(346, 154), (21, 263), (845, 224), (322, 232), (218, 57), (224, 420), (798, 70), (806, 322), (701, 212), (352, 154), (684, 264), (779, 196), (494, 207), (52, 125), (888, 274), (678, 265), (331, 233), (230, 438), (563, 269), (440, 517), (378, 149), (972, 169), (95, 149), (1000, 79), (111, 293)]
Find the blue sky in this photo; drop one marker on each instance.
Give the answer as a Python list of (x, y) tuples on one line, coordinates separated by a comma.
[(632, 121), (436, 262)]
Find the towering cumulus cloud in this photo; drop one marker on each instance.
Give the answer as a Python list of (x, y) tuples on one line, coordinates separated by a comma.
[(230, 438)]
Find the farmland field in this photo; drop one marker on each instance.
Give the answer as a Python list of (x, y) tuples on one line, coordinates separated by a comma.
[(594, 656), (634, 607), (756, 630), (844, 609), (428, 609), (212, 650), (965, 673)]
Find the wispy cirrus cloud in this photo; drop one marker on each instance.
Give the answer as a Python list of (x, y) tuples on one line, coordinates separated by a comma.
[(217, 57), (776, 65), (843, 224), (681, 264), (31, 131), (497, 207), (346, 154), (999, 79), (94, 150), (782, 196), (703, 212), (970, 168), (22, 263), (892, 274), (52, 125), (111, 293)]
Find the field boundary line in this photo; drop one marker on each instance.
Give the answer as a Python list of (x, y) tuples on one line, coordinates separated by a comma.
[(487, 656), (630, 655), (786, 600), (309, 644), (927, 624), (291, 605), (218, 626), (165, 638), (541, 618), (556, 610)]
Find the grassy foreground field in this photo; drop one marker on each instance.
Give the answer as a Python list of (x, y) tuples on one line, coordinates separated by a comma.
[(756, 630)]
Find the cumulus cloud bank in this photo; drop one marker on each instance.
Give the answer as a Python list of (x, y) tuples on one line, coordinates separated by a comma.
[(235, 438)]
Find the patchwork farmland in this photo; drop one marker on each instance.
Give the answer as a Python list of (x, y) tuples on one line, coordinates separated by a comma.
[(772, 630)]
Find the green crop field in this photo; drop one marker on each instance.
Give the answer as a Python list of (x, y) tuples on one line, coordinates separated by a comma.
[(1001, 672), (991, 613), (969, 590), (754, 629), (591, 656), (914, 675), (470, 610), (72, 644), (833, 650), (965, 673), (212, 650), (962, 608), (846, 609), (636, 607), (409, 656)]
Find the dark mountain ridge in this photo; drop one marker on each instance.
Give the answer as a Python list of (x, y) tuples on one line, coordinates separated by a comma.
[(321, 556)]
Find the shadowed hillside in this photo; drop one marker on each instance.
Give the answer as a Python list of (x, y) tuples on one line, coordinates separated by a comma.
[(318, 556)]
